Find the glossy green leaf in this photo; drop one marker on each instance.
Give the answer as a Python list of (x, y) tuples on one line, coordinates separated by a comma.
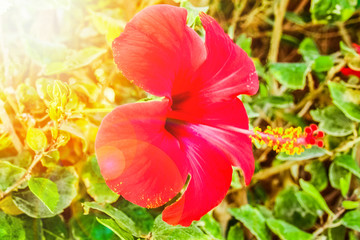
[(333, 121), (164, 231), (86, 227), (66, 181), (348, 162), (350, 204), (309, 153), (347, 100), (46, 191), (336, 173), (291, 75), (288, 208), (323, 63), (308, 49), (352, 220), (311, 190), (235, 233), (95, 183), (33, 228), (120, 218), (253, 220), (211, 226), (10, 174), (283, 101), (287, 231), (144, 221), (308, 203), (111, 224), (330, 11), (11, 228)]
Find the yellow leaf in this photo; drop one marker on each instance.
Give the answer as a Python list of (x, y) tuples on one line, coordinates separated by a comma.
[(36, 139)]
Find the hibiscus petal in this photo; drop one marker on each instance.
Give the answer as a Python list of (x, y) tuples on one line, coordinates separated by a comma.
[(157, 48), (227, 71), (210, 172), (138, 158), (219, 123)]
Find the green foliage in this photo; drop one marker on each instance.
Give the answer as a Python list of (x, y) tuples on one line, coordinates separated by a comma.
[(352, 220), (11, 228), (330, 11), (164, 231), (253, 220), (46, 191), (333, 121), (291, 75), (346, 99), (287, 231), (289, 208)]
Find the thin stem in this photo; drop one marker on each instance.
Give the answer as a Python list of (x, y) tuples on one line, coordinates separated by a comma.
[(24, 178), (329, 223)]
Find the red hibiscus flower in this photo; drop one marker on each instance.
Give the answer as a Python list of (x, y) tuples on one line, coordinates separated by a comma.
[(146, 150), (349, 71)]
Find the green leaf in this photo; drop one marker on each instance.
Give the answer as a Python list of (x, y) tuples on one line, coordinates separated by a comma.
[(337, 233), (332, 121), (347, 100), (120, 218), (336, 173), (344, 186), (33, 227), (164, 231), (144, 221), (323, 63), (308, 49), (350, 204), (211, 226), (66, 181), (10, 174), (348, 162), (309, 203), (245, 43), (55, 228), (330, 11), (46, 191), (287, 231), (293, 17), (95, 183), (288, 208), (309, 153), (253, 220), (11, 228), (86, 227), (283, 101), (352, 220), (291, 75), (36, 139), (345, 50), (318, 175), (111, 224), (311, 190), (235, 233)]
